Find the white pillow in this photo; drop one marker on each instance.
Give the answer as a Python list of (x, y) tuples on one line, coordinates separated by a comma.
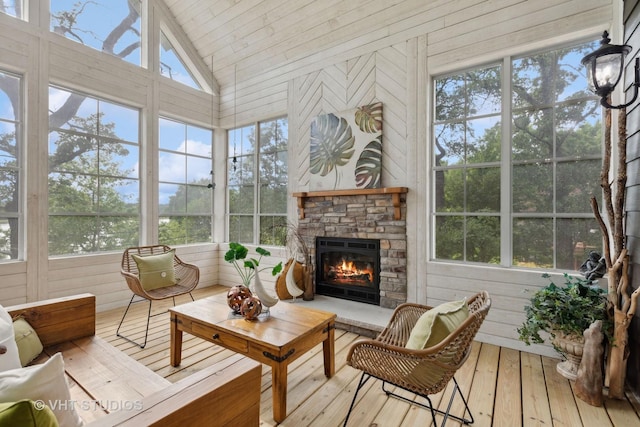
[(7, 339), (45, 383)]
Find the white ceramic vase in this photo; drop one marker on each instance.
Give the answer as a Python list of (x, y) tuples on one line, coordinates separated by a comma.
[(292, 287), (259, 290)]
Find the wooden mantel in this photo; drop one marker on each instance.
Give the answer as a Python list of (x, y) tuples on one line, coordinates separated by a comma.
[(395, 193)]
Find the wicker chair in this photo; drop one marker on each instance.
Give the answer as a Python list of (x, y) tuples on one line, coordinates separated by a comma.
[(186, 275), (423, 372)]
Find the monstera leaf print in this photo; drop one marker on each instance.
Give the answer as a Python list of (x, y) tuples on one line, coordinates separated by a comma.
[(369, 118), (369, 165), (331, 144)]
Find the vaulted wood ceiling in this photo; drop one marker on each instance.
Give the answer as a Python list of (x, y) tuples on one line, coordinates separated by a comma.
[(264, 35)]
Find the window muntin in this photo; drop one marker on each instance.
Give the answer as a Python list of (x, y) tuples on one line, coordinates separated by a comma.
[(11, 147), (13, 8), (554, 141), (172, 66), (94, 182), (185, 196), (257, 183), (110, 26)]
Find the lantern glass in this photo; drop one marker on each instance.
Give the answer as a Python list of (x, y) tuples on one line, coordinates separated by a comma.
[(608, 71)]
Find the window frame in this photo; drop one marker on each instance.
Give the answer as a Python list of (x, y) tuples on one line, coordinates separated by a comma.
[(256, 157), (187, 155), (100, 139), (507, 215), (19, 168)]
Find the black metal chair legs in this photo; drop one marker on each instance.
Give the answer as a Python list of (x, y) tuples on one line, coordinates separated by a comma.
[(149, 316), (456, 391)]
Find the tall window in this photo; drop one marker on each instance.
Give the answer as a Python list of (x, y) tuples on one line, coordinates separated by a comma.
[(13, 8), (185, 183), (110, 26), (172, 65), (94, 187), (11, 147), (514, 172), (257, 183)]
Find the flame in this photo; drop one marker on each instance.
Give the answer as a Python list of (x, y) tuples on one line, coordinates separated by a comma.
[(348, 270)]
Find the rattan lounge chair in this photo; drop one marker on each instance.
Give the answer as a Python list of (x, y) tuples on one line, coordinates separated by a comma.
[(423, 372), (186, 279)]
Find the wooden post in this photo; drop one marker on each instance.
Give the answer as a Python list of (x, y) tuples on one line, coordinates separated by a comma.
[(590, 379)]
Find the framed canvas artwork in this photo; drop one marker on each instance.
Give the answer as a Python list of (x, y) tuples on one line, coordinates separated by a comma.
[(346, 149)]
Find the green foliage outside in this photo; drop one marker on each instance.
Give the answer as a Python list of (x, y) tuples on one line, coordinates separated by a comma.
[(272, 180), (554, 160)]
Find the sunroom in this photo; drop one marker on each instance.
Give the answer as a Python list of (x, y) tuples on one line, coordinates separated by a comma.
[(194, 124)]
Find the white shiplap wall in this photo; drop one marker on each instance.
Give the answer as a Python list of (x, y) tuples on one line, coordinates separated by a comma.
[(393, 63), (302, 58)]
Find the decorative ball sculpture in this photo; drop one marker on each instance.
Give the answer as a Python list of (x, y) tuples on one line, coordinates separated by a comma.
[(251, 308), (236, 296)]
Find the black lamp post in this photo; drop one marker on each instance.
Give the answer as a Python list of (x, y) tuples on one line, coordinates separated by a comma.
[(605, 67)]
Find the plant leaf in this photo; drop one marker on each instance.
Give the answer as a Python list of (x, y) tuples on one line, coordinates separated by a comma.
[(331, 144), (369, 165), (369, 118)]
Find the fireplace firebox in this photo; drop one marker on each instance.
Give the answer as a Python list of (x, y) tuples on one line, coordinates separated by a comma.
[(348, 268)]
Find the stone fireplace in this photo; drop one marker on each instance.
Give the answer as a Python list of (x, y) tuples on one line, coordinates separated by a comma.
[(369, 214)]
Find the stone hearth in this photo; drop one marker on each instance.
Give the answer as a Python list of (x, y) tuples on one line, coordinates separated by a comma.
[(366, 214)]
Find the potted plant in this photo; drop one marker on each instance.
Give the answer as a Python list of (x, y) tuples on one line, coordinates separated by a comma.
[(247, 268), (565, 312)]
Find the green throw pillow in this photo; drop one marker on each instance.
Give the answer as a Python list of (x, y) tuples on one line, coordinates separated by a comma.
[(26, 413), (29, 345), (156, 271), (434, 325)]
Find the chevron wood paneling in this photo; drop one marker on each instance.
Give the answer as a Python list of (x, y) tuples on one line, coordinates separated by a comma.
[(378, 76)]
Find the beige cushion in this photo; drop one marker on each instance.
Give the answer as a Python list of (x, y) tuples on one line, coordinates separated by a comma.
[(44, 384), (435, 324), (29, 345), (10, 359), (156, 271)]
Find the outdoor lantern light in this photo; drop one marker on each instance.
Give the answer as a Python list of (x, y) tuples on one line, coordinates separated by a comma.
[(604, 70)]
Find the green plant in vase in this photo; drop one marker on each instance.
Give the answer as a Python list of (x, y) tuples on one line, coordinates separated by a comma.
[(565, 312), (247, 268)]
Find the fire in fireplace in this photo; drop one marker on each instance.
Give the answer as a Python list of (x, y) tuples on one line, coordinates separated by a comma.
[(348, 268)]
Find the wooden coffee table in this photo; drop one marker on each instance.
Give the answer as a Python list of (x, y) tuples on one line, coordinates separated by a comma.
[(277, 340)]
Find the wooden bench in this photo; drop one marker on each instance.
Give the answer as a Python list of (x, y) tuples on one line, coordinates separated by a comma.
[(227, 393)]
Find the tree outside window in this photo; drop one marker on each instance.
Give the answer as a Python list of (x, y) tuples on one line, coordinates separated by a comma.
[(257, 183), (13, 8), (94, 184), (185, 179), (554, 143), (110, 26), (11, 148)]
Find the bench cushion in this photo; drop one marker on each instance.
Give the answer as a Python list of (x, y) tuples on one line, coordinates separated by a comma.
[(29, 345), (26, 413), (44, 383), (9, 359)]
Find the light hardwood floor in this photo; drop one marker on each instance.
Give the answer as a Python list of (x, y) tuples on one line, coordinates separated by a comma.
[(504, 387)]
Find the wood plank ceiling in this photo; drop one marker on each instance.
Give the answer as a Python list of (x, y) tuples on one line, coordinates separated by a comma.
[(264, 35)]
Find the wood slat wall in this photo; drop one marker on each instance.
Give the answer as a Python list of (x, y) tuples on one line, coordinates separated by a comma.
[(298, 60), (632, 203), (389, 54)]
